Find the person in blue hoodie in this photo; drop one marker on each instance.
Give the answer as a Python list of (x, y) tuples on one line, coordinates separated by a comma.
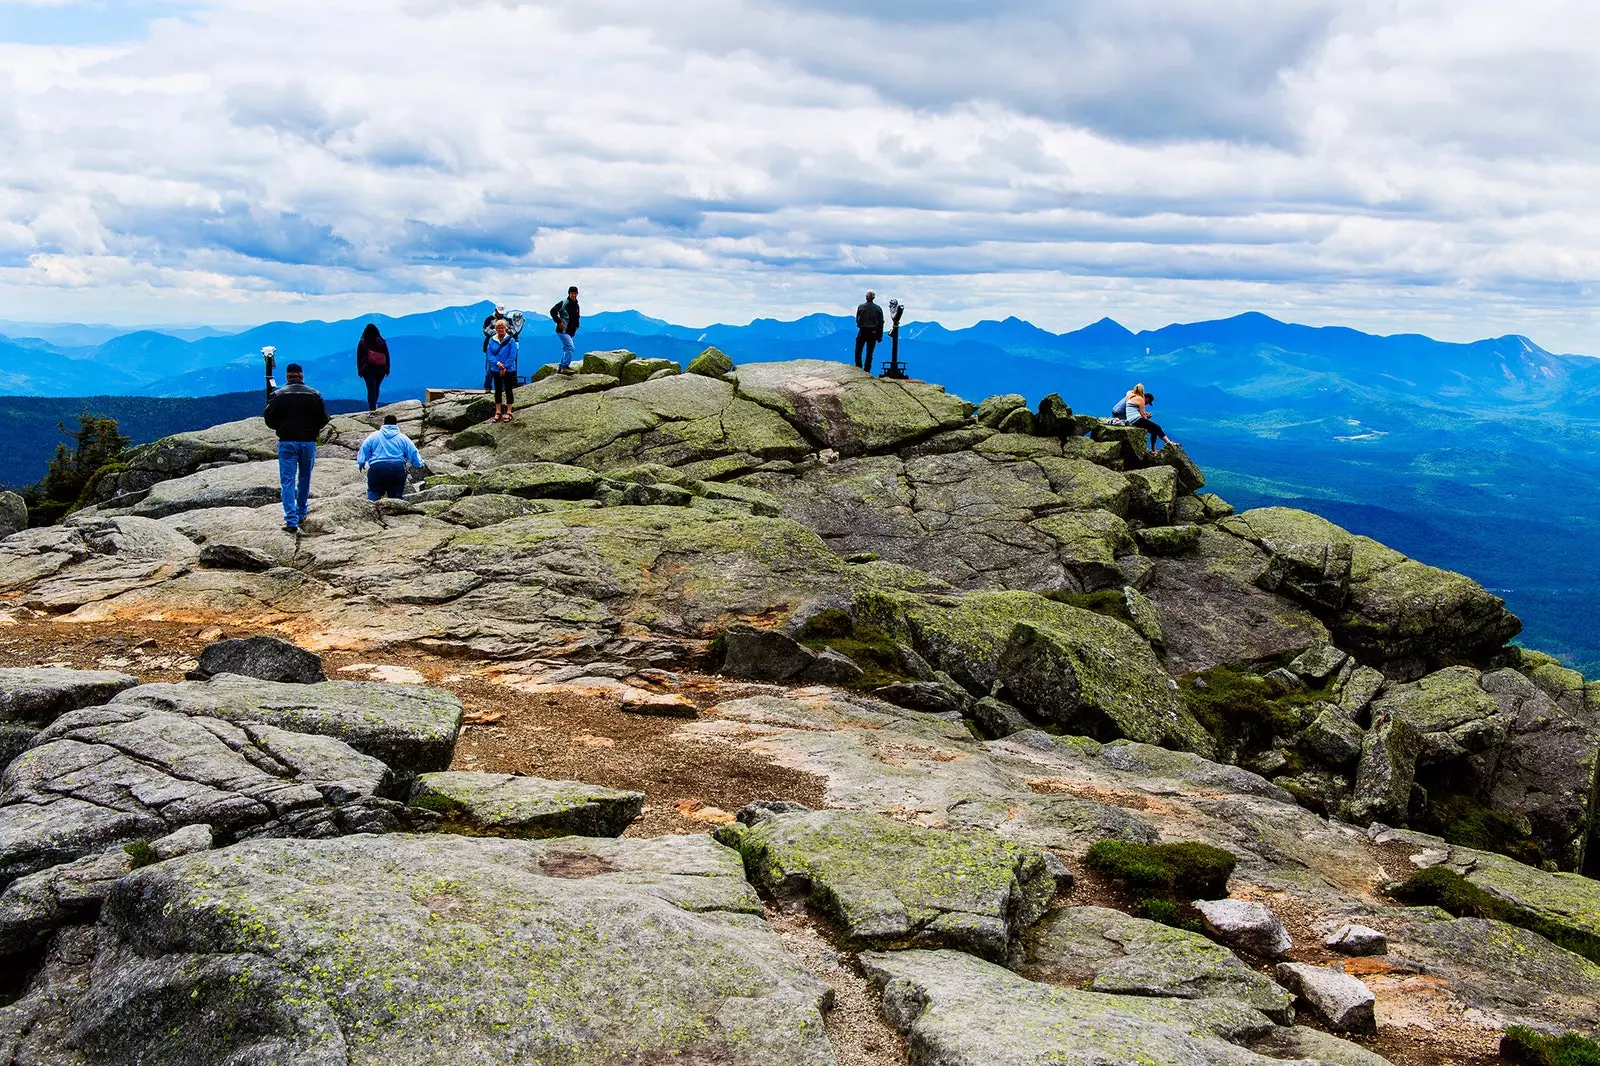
[(500, 360), (385, 456)]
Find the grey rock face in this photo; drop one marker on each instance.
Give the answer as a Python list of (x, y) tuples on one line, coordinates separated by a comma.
[(1333, 738), (13, 514), (996, 718), (886, 882), (37, 696), (409, 727), (263, 658), (1247, 926), (1340, 1001), (921, 696), (105, 776), (1108, 951), (1387, 770), (1358, 940), (764, 654), (956, 1010), (411, 950), (503, 805), (1319, 662)]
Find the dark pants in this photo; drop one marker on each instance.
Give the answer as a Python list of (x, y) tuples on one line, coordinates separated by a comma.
[(386, 479), (867, 338), (505, 384), (1150, 428), (374, 381)]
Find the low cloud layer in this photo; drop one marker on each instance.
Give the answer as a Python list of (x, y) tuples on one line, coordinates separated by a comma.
[(1418, 165)]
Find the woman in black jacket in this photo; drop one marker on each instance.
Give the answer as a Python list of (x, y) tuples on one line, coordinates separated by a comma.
[(372, 362)]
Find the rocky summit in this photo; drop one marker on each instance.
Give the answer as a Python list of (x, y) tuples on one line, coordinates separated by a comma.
[(769, 714)]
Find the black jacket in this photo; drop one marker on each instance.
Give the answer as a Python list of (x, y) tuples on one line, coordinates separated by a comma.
[(297, 412), (364, 366), (869, 319), (571, 329)]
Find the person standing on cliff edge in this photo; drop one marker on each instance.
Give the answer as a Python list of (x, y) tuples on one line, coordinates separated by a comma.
[(869, 329), (565, 315), (297, 412), (372, 362)]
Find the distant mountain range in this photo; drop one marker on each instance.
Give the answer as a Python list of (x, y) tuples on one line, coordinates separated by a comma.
[(1477, 457)]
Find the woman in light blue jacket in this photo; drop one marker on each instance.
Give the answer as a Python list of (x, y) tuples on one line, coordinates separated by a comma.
[(501, 362)]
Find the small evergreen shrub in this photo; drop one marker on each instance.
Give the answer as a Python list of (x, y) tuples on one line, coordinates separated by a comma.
[(1533, 1048), (1168, 912), (1463, 820), (1108, 602), (141, 853), (1188, 871), (439, 805)]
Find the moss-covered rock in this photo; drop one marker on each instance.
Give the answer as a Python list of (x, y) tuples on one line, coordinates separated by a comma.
[(607, 363), (842, 407), (710, 363), (1089, 544), (636, 370), (892, 884), (1153, 494), (1094, 677), (1380, 604), (529, 480), (389, 949), (993, 411), (1086, 486), (1107, 951), (1168, 540), (503, 805)]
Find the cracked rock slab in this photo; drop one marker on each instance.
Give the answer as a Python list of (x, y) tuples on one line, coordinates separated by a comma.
[(504, 805), (408, 950), (37, 696), (409, 727), (107, 776), (889, 883), (956, 1010), (1107, 951)]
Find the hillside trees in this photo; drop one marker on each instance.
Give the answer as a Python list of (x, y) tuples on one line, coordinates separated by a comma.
[(97, 444)]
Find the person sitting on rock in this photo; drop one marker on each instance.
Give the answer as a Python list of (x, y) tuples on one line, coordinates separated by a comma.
[(1134, 410), (501, 361), (386, 456)]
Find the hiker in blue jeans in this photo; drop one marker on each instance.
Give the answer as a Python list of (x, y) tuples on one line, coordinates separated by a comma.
[(297, 412), (385, 456)]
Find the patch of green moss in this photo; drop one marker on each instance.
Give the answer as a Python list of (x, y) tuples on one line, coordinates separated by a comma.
[(1441, 887), (1532, 1048), (1245, 710), (141, 853), (1169, 912), (439, 805), (1185, 871), (1465, 821), (1110, 603), (867, 646)]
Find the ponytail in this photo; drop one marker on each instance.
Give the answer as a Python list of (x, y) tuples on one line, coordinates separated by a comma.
[(1138, 390)]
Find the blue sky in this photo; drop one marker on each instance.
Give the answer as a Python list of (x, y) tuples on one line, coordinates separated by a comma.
[(1393, 165)]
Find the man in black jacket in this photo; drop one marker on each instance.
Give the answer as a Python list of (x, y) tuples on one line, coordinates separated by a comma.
[(297, 412), (869, 330), (565, 315)]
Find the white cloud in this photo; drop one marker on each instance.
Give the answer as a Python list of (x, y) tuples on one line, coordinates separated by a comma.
[(1388, 164)]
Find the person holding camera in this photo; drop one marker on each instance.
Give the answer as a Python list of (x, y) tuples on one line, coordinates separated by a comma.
[(500, 360), (869, 329)]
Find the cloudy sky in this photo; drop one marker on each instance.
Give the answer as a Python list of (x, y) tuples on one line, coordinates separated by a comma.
[(1393, 165)]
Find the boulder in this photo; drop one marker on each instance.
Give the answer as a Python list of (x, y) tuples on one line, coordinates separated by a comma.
[(1215, 506), (459, 412), (263, 658), (1019, 422), (710, 363), (1386, 772), (441, 948), (1339, 1001), (886, 882), (1054, 418), (993, 411), (238, 557), (35, 696), (1097, 678), (1145, 616), (841, 407), (1152, 494), (764, 654), (928, 696), (1360, 688), (13, 514), (1168, 540), (1381, 605), (636, 370), (956, 1010), (182, 454), (1450, 712), (411, 728), (503, 805), (252, 484), (1086, 486), (1133, 445), (1319, 663), (1089, 545), (995, 719), (1190, 478), (609, 364), (106, 776), (1357, 940), (1332, 738), (1108, 951), (1247, 926)]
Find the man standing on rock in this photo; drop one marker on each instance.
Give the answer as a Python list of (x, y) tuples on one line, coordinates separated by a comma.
[(297, 412), (869, 329), (565, 315)]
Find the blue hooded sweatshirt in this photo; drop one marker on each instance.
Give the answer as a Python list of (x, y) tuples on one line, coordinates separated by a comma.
[(388, 445), (501, 352)]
